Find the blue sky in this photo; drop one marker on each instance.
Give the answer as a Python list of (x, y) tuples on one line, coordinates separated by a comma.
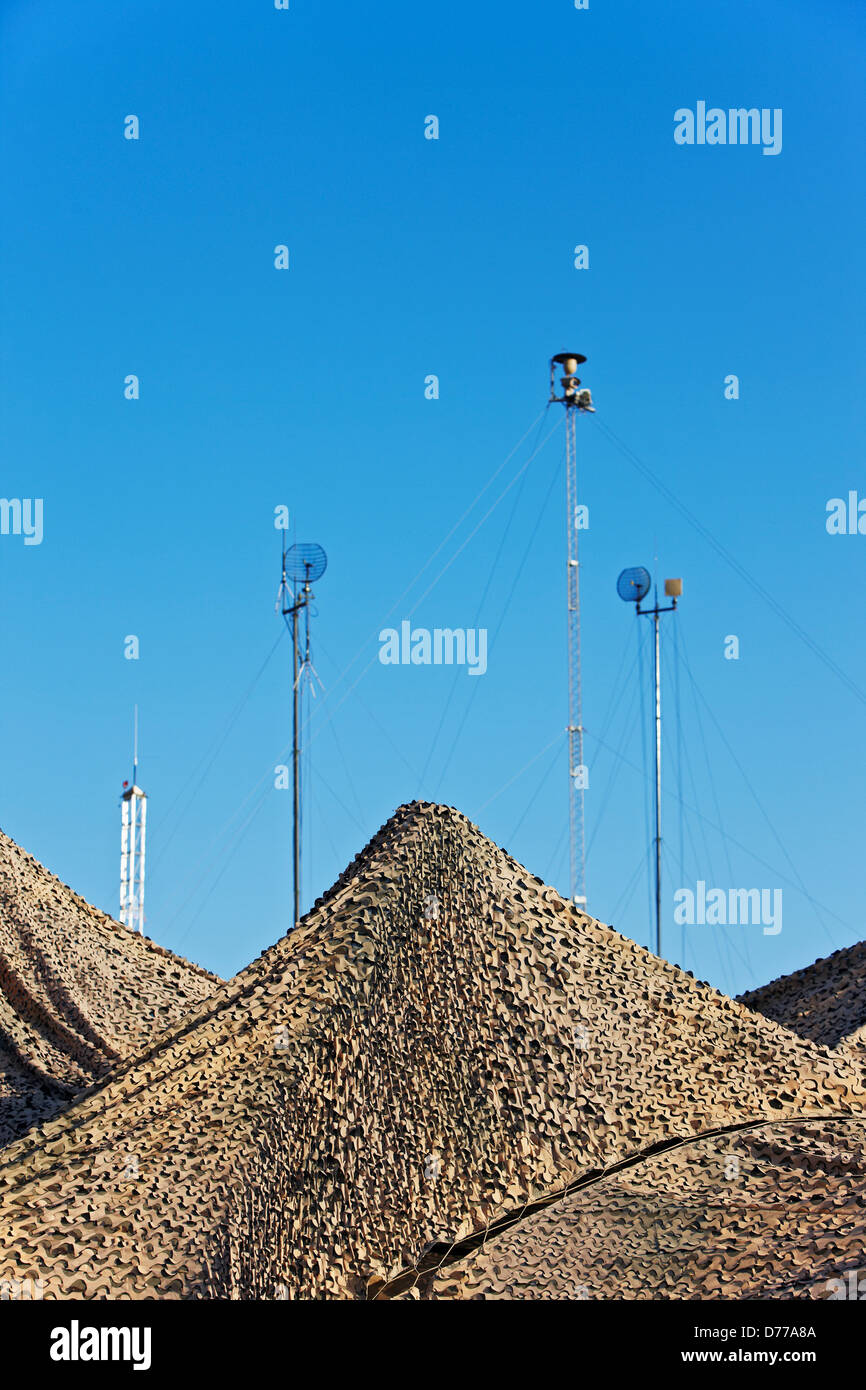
[(305, 387)]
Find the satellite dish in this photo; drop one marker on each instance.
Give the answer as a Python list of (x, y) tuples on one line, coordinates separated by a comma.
[(306, 562), (634, 584)]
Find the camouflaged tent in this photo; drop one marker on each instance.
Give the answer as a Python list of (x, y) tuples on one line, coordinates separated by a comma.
[(441, 1052), (78, 992)]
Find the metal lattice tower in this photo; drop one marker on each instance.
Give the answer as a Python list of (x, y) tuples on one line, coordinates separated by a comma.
[(133, 827), (574, 400), (576, 834)]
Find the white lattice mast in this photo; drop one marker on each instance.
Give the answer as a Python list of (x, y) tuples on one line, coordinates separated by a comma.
[(574, 400), (133, 827)]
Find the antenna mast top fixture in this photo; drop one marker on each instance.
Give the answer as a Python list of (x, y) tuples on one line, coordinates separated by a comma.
[(305, 562), (570, 382), (634, 584)]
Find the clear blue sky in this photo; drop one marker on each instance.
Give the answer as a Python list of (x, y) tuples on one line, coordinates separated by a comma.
[(306, 387)]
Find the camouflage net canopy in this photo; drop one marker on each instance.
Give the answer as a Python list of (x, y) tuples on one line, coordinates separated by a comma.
[(774, 1211), (825, 1002), (416, 1080), (78, 992)]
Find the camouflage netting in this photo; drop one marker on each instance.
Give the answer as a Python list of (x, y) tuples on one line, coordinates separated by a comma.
[(442, 1040), (825, 1002), (78, 992), (776, 1211)]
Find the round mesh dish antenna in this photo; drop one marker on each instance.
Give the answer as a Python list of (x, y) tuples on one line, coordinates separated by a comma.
[(305, 562), (634, 584)]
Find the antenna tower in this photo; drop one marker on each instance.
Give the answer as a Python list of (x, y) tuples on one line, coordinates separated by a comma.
[(303, 564), (633, 585), (133, 825), (575, 400)]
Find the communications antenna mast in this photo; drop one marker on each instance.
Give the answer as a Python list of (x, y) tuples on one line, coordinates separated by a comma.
[(575, 400), (133, 825), (303, 564), (633, 585)]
